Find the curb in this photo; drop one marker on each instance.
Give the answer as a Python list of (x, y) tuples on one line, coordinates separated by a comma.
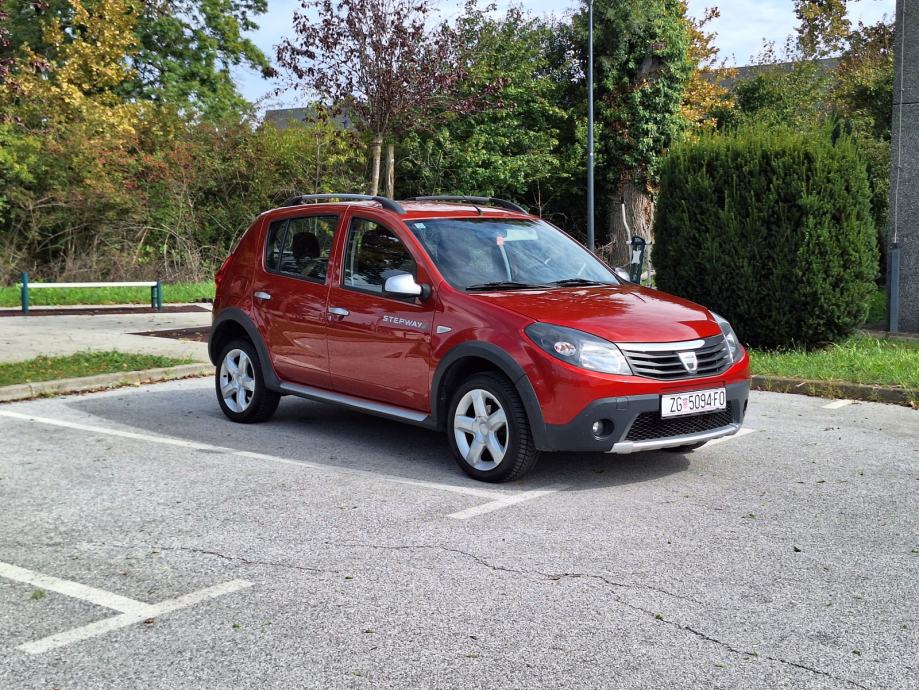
[(774, 384), (834, 389), (86, 384)]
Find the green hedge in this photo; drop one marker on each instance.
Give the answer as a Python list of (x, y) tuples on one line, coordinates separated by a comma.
[(773, 231)]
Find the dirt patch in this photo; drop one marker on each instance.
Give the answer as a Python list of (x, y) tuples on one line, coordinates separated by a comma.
[(95, 311), (199, 335)]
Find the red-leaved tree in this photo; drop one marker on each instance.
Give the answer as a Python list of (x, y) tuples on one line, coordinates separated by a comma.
[(381, 63)]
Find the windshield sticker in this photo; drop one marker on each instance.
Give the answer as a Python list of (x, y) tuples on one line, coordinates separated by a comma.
[(516, 234)]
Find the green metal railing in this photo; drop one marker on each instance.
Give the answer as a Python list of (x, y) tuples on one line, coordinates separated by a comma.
[(156, 289)]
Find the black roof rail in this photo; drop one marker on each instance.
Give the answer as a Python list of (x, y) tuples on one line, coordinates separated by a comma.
[(385, 202), (483, 200)]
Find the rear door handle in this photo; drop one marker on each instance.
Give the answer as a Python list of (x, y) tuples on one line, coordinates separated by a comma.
[(262, 295), (338, 311)]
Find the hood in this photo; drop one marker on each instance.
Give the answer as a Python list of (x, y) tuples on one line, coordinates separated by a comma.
[(624, 313)]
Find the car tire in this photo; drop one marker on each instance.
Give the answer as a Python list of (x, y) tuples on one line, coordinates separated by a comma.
[(489, 431), (241, 389), (688, 448)]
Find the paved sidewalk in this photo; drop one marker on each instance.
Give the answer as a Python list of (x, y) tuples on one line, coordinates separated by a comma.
[(25, 337)]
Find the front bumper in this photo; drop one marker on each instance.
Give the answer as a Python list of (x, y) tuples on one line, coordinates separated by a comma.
[(634, 424)]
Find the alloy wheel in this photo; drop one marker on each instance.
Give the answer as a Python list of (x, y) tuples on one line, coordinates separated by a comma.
[(480, 429), (237, 380)]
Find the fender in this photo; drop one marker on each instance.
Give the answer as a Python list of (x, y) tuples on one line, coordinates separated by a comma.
[(507, 365), (240, 318)]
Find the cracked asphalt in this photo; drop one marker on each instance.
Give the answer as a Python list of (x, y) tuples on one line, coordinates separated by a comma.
[(785, 558)]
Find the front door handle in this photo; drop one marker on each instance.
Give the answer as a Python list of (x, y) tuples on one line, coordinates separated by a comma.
[(262, 295), (338, 311)]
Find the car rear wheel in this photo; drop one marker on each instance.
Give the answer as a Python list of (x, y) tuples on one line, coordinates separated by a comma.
[(488, 430), (241, 390)]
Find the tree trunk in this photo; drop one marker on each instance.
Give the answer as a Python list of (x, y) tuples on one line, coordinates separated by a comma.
[(375, 146), (639, 213), (391, 170)]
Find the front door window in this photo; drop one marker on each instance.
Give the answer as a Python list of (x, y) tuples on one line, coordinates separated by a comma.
[(373, 255)]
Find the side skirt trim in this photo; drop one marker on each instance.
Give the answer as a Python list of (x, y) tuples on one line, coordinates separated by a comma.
[(378, 408)]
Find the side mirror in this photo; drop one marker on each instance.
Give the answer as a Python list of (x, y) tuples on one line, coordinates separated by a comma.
[(622, 274), (404, 285)]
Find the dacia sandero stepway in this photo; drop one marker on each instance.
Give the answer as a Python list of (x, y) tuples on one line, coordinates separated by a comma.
[(468, 315)]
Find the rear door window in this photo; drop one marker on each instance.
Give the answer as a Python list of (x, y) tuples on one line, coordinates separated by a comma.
[(300, 247)]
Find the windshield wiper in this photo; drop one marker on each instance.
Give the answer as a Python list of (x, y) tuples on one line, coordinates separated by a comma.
[(579, 281), (505, 285)]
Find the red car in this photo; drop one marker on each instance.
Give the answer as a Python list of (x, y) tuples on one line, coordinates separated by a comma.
[(472, 316)]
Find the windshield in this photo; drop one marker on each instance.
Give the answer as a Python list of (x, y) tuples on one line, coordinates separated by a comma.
[(490, 253)]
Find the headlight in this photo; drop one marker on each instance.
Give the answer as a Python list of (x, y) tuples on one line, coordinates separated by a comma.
[(578, 348), (729, 337)]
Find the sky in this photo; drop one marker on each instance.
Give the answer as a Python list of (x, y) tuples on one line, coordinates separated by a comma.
[(742, 28)]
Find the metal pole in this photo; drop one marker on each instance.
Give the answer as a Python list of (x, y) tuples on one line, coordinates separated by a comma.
[(590, 126), (24, 291)]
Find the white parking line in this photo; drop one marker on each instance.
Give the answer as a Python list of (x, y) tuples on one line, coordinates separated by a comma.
[(743, 432), (99, 597), (130, 618), (366, 474), (836, 404), (501, 503), (132, 610), (195, 445), (115, 432)]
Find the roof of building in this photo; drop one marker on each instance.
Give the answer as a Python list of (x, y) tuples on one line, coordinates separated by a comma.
[(284, 118)]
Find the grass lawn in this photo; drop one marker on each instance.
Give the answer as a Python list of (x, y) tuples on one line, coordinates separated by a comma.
[(80, 364), (172, 293), (859, 359)]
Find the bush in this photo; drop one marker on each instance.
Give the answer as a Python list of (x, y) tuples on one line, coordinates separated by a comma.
[(166, 201), (773, 231)]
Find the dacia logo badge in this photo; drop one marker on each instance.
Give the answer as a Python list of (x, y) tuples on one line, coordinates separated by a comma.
[(690, 363)]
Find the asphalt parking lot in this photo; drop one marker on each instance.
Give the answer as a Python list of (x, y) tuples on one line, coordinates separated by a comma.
[(147, 542)]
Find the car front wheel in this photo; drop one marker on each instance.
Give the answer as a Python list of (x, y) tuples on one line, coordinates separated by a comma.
[(241, 390), (489, 431)]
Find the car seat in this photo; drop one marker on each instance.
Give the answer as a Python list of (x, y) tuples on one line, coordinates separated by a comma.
[(305, 249), (381, 256)]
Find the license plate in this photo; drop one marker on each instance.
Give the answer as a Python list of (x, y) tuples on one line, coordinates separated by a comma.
[(694, 402)]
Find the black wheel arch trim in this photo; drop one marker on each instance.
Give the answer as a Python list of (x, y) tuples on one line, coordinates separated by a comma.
[(507, 365), (240, 318)]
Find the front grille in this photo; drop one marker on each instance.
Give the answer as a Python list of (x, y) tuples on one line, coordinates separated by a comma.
[(650, 425), (650, 361)]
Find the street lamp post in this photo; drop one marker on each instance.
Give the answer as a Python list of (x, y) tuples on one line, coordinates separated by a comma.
[(590, 125)]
